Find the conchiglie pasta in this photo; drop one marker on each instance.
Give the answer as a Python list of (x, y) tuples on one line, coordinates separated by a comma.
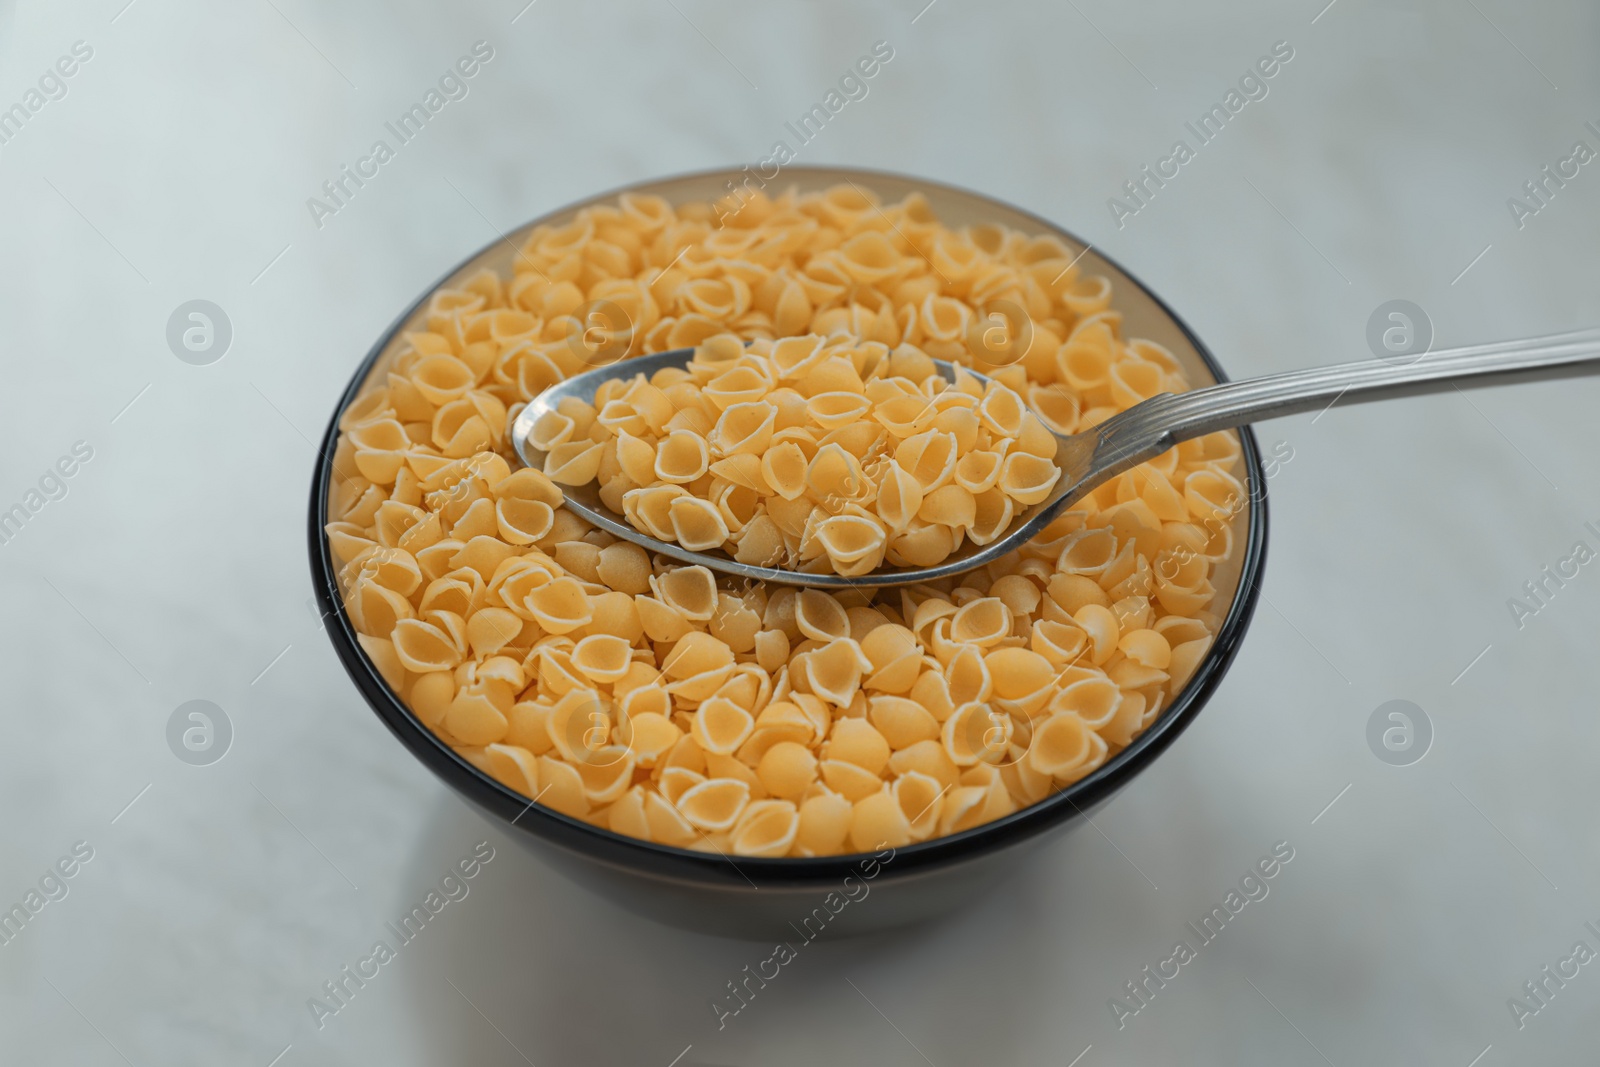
[(810, 430)]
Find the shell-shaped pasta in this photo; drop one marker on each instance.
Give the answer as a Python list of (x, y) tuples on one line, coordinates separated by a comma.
[(1001, 411), (636, 459), (984, 622), (515, 767), (859, 742), (676, 781), (650, 509), (1101, 625), (961, 809), (682, 457), (824, 824), (820, 616), (794, 357), (602, 657), (1185, 659), (906, 415), (929, 457), (852, 539), (1132, 380), (459, 429), (621, 417), (1061, 744), (523, 522), (976, 732), (377, 609), (743, 470), (743, 384), (735, 623), (919, 797), (1094, 700), (661, 623), (714, 804), (979, 470), (424, 647), (606, 774), (690, 591), (579, 726), (950, 506), (834, 477), (1088, 294), (430, 694), (1212, 496), (1087, 552), (744, 429), (1020, 674), (442, 378), (491, 629), (783, 467), (922, 544), (561, 788), (477, 714), (878, 822), (834, 410), (695, 654), (1059, 642), (667, 824), (560, 606), (573, 463), (550, 429), (649, 734), (772, 649), (929, 758), (1027, 478), (1084, 361), (902, 722), (627, 814), (849, 780), (992, 513), (766, 828), (870, 258), (697, 524), (787, 769), (900, 497), (528, 484), (1147, 648), (721, 726), (944, 318), (834, 671)]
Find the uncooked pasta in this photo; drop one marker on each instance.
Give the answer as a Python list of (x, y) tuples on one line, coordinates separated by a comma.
[(663, 702)]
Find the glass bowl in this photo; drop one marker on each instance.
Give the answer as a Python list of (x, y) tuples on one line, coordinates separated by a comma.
[(758, 897)]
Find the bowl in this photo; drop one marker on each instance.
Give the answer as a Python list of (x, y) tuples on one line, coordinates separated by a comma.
[(759, 897)]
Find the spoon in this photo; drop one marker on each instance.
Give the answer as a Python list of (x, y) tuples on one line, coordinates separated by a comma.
[(1090, 458)]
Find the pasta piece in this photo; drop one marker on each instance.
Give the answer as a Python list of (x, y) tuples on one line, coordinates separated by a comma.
[(878, 822), (787, 769), (714, 804), (766, 828)]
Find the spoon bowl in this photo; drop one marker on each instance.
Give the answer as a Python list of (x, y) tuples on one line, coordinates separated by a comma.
[(1088, 459), (584, 500)]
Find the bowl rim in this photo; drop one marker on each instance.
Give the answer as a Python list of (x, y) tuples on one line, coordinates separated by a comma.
[(683, 865)]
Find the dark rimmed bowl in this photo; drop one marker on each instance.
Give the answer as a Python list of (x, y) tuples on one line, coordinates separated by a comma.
[(784, 897)]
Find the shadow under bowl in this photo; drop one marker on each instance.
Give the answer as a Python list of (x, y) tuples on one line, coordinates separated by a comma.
[(763, 898)]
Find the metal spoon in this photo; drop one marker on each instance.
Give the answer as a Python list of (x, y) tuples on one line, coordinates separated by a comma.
[(1125, 440)]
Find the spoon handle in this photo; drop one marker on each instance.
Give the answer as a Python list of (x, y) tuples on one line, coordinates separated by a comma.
[(1165, 420)]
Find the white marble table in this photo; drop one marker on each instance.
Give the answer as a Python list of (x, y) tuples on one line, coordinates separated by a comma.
[(218, 899)]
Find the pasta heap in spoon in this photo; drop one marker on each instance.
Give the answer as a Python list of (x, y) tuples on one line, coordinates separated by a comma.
[(808, 452), (659, 701)]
